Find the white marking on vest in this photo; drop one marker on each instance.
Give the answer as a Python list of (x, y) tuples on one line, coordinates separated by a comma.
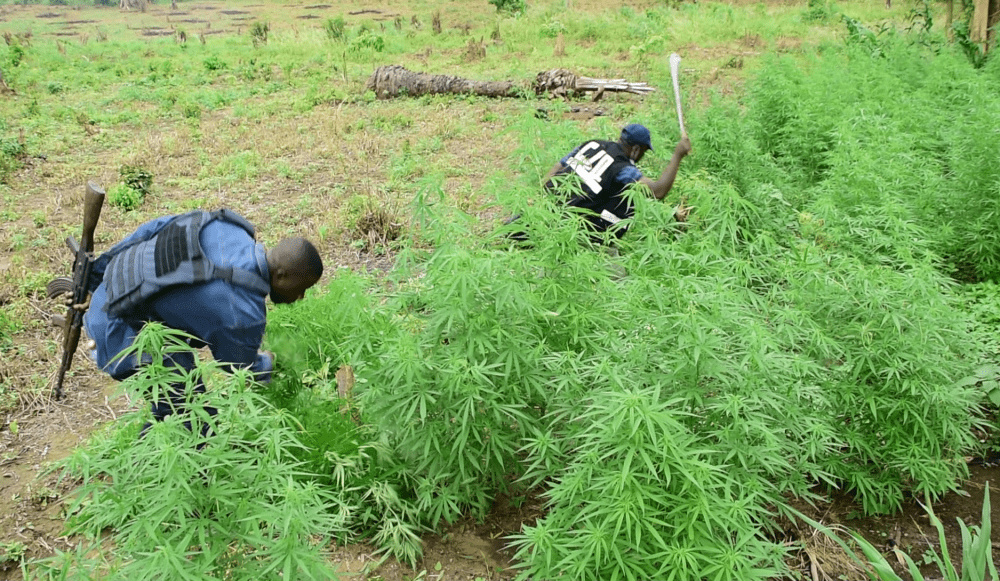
[(591, 169), (610, 217)]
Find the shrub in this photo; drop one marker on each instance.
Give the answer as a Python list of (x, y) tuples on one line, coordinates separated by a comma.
[(226, 504), (125, 197), (922, 164), (719, 360), (9, 325), (136, 177), (11, 554), (258, 33), (12, 151), (818, 11), (553, 28), (366, 40), (16, 54), (191, 110), (512, 7), (313, 342), (214, 63), (335, 28), (972, 49)]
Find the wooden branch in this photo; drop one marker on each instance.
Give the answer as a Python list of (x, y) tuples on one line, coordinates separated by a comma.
[(588, 84)]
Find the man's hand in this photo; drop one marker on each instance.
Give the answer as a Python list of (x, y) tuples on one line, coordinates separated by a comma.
[(270, 355), (82, 307), (263, 366), (683, 147)]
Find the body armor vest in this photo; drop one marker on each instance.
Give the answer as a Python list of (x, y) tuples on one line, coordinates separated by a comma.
[(173, 256), (597, 164)]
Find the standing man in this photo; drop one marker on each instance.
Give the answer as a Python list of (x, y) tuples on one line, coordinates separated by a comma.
[(202, 273), (606, 168)]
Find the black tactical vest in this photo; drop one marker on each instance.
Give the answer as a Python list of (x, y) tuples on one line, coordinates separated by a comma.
[(597, 164), (173, 256)]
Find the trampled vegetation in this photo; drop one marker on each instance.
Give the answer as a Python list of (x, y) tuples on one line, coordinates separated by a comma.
[(827, 318)]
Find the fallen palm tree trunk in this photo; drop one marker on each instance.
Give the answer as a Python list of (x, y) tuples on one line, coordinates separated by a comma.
[(395, 81)]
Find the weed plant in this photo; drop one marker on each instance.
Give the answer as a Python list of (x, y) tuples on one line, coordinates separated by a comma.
[(313, 339), (662, 413), (230, 503), (982, 301), (125, 197), (511, 7), (11, 153), (797, 331), (894, 143)]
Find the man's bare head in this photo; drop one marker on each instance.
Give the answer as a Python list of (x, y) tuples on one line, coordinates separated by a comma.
[(295, 266)]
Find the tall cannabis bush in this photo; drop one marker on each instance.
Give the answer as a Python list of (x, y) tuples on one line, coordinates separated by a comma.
[(663, 400), (795, 331), (353, 460), (182, 502), (905, 130)]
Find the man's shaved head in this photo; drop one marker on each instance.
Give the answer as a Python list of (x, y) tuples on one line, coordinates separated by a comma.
[(295, 266)]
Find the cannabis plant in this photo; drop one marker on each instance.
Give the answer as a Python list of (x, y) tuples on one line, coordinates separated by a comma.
[(210, 492)]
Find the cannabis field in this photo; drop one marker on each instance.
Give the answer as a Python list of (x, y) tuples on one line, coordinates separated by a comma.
[(824, 324)]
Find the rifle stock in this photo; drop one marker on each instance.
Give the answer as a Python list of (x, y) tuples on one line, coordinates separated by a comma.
[(83, 259)]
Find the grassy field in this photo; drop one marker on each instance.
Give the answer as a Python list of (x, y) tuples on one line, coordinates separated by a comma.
[(825, 322)]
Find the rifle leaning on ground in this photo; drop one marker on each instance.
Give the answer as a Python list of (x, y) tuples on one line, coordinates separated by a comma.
[(78, 286)]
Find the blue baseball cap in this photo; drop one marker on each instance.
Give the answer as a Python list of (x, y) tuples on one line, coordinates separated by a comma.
[(637, 135)]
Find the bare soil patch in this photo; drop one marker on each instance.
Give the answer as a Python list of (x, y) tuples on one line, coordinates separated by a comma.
[(31, 498)]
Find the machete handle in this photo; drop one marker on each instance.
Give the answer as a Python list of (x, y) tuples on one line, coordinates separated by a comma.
[(92, 204)]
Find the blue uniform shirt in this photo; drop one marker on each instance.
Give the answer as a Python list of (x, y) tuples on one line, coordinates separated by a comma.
[(229, 319)]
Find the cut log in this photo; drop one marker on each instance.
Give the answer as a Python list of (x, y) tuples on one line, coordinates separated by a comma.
[(395, 81)]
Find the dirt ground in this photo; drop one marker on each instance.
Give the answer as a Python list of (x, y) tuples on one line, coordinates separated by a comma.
[(909, 531), (42, 431)]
